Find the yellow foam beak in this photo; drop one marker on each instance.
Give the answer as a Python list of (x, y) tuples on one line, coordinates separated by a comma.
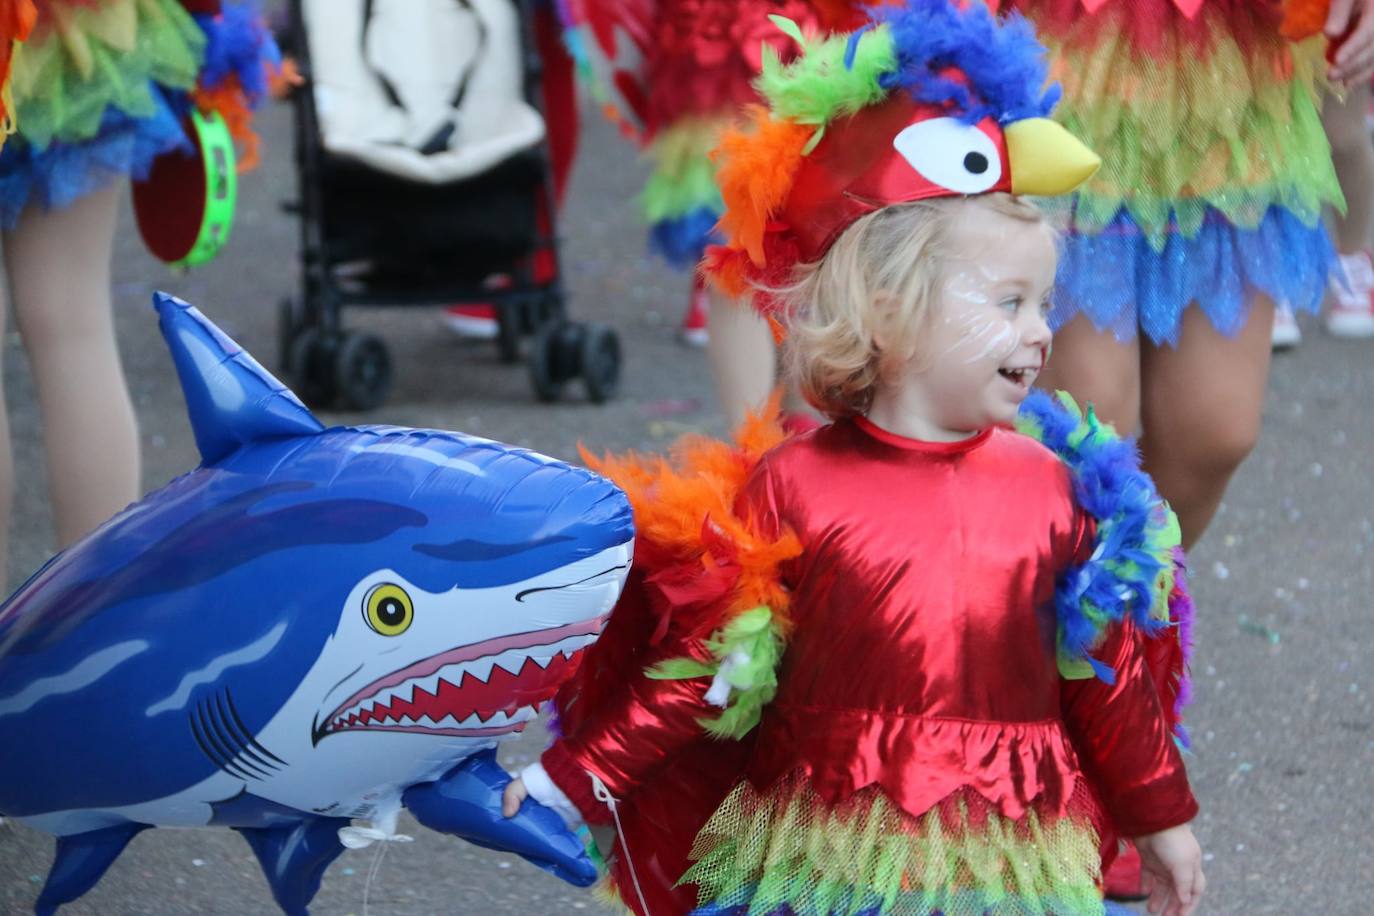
[(1046, 159)]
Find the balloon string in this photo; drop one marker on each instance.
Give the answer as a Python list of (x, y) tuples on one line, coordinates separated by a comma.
[(372, 873), (602, 794)]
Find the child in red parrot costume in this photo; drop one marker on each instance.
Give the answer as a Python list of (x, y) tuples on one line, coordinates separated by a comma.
[(860, 671)]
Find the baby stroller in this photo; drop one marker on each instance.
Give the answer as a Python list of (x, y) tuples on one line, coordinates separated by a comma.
[(422, 165)]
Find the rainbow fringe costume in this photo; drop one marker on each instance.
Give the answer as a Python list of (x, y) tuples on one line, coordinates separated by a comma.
[(696, 62), (1215, 164), (100, 88)]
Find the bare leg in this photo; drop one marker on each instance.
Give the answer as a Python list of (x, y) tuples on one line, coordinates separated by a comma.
[(1201, 408), (59, 270), (1097, 369), (743, 357), (1352, 152)]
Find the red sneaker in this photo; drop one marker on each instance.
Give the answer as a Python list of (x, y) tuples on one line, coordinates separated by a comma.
[(474, 322), (1351, 313), (693, 331), (1122, 881)]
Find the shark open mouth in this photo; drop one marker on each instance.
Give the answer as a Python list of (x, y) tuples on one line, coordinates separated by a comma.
[(488, 688)]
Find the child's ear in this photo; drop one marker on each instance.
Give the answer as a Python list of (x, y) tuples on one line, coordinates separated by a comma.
[(883, 321)]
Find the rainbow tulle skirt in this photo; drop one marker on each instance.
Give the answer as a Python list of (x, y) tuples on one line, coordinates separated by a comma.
[(100, 88), (785, 852), (1215, 164)]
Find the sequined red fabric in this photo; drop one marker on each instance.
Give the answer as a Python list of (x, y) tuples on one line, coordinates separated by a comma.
[(706, 53), (921, 659)]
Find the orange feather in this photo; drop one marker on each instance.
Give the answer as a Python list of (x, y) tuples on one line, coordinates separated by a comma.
[(756, 171)]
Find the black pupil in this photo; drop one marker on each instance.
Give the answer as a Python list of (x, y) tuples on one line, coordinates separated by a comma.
[(391, 612), (976, 163)]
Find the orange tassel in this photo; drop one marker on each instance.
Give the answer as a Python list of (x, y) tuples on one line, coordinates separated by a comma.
[(16, 22), (1303, 18), (228, 100), (281, 81)]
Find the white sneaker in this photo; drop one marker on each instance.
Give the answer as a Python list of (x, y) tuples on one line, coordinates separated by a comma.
[(1352, 303), (1286, 334)]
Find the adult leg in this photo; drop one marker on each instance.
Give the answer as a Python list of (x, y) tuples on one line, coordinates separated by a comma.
[(1351, 311), (1352, 153), (1097, 369), (1201, 406), (59, 270), (743, 357), (6, 466)]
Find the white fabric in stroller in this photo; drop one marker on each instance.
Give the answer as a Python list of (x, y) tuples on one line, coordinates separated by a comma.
[(427, 90)]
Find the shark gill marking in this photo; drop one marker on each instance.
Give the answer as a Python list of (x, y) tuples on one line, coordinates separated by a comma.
[(226, 741), (553, 588)]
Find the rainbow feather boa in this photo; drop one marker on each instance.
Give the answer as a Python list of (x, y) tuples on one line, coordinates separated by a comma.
[(1132, 575)]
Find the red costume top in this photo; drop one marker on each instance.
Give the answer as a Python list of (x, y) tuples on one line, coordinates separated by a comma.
[(921, 658)]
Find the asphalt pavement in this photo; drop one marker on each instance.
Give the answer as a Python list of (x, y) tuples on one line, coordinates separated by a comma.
[(1283, 757)]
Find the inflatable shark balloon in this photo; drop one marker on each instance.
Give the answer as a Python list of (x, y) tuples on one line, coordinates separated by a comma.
[(315, 625)]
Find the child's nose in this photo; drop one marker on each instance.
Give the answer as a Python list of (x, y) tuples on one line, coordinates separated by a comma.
[(1035, 328)]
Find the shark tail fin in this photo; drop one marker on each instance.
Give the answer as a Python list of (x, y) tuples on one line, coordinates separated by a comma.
[(294, 858), (232, 400), (81, 860)]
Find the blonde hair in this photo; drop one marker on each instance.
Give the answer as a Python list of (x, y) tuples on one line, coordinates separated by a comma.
[(879, 281)]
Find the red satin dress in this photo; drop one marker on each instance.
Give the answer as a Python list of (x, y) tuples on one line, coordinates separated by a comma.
[(919, 699)]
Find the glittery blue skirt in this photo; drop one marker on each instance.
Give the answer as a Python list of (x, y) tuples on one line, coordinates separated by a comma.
[(1128, 287), (62, 172)]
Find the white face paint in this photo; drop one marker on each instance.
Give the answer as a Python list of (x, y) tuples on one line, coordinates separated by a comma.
[(989, 338)]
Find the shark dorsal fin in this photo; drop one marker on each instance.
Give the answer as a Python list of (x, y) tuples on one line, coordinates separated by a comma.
[(231, 399)]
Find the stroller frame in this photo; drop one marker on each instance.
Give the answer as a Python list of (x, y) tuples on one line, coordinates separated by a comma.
[(327, 363)]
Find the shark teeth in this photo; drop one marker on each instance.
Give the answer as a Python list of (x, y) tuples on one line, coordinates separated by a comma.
[(498, 719), (494, 691)]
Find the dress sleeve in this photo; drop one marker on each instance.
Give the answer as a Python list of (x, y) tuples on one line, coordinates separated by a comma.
[(693, 680), (1123, 739)]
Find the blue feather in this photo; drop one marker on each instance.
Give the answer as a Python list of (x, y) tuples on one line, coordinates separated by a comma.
[(1002, 67), (1118, 580)]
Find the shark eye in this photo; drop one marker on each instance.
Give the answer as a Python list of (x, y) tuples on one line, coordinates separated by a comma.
[(952, 154), (388, 609)]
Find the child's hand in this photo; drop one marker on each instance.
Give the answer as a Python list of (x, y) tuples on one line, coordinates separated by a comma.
[(515, 794), (1172, 863)]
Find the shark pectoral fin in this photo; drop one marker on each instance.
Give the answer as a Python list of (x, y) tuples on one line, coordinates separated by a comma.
[(80, 861), (294, 857), (466, 802)]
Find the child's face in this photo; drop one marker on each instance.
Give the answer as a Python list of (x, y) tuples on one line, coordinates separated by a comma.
[(989, 338)]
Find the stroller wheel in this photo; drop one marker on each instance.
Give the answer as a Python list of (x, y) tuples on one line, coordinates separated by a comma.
[(362, 371), (600, 359), (553, 358), (308, 367)]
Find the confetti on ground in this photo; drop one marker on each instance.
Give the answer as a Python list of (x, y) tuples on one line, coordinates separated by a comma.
[(1258, 629), (671, 407), (1220, 571)]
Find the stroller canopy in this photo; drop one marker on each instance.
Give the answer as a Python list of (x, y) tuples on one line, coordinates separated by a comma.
[(427, 90)]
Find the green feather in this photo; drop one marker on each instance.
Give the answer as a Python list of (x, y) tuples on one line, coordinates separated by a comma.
[(817, 87), (756, 634), (789, 28)]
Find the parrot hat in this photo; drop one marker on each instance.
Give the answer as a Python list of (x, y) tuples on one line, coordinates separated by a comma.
[(931, 98)]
